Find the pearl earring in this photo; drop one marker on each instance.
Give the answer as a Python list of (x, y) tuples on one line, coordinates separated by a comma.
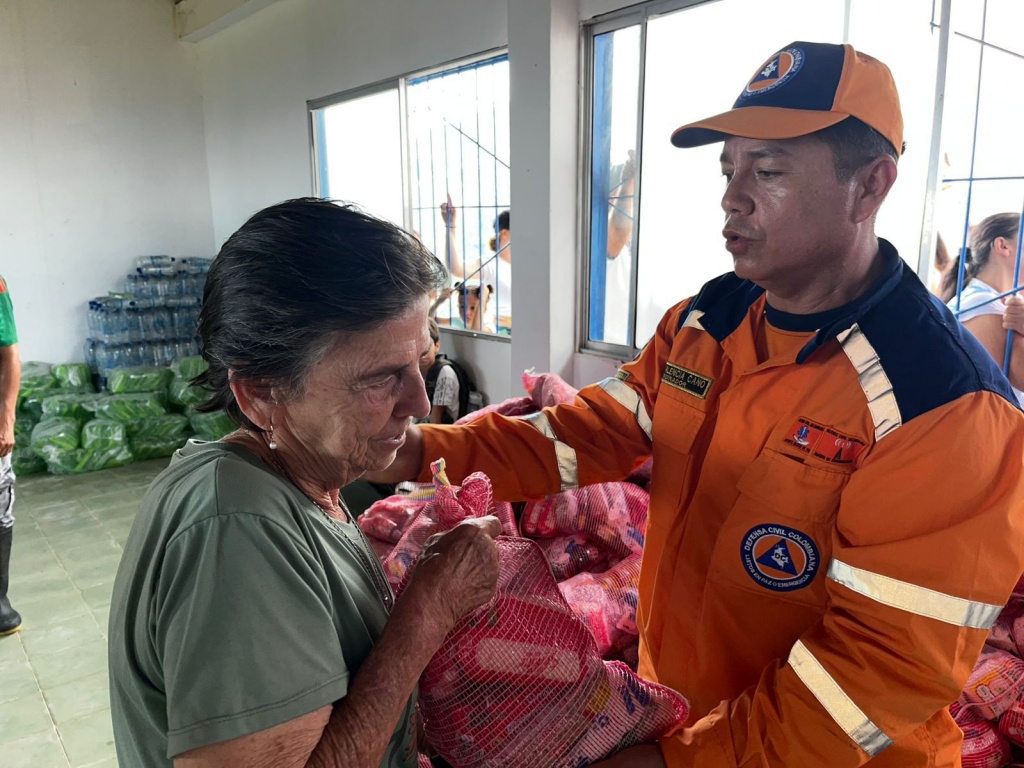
[(273, 443)]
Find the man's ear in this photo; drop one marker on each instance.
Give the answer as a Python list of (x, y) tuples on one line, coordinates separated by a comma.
[(874, 181), (254, 398)]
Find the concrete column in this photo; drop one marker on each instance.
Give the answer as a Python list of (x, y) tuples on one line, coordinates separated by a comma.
[(543, 46)]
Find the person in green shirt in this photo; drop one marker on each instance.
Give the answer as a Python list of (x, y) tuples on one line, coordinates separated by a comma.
[(10, 380), (251, 624)]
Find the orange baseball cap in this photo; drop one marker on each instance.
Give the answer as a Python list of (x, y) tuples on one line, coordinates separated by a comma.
[(801, 89)]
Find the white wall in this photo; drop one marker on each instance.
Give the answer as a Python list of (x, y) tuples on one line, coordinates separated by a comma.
[(258, 75), (102, 157)]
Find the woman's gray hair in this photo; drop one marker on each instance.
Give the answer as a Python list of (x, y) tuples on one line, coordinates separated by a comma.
[(294, 277)]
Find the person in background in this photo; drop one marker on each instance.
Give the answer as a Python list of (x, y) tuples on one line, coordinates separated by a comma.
[(989, 266), (495, 271), (618, 274), (251, 624), (837, 501), (473, 300), (441, 383), (10, 380)]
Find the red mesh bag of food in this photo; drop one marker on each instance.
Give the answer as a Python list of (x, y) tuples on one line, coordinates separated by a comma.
[(520, 681), (607, 603), (1011, 724), (994, 685), (442, 512), (548, 389), (983, 747), (569, 555), (612, 516)]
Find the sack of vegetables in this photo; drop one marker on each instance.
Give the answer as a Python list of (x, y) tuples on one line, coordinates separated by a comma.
[(71, 406), (129, 408), (123, 381), (87, 460), (104, 434), (73, 377), (54, 436), (211, 426)]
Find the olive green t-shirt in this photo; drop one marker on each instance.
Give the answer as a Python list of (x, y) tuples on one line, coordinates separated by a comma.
[(238, 605)]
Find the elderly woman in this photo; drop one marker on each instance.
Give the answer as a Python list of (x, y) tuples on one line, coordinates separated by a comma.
[(251, 624)]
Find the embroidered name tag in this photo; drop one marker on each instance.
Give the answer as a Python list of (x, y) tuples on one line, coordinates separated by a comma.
[(690, 382)]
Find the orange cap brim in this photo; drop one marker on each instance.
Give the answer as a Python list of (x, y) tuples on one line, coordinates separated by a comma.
[(755, 123)]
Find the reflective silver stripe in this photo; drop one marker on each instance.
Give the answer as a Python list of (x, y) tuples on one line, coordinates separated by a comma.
[(692, 319), (568, 468), (915, 599), (877, 388), (826, 690), (627, 397)]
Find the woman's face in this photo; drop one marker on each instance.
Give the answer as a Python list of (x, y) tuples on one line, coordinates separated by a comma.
[(358, 403)]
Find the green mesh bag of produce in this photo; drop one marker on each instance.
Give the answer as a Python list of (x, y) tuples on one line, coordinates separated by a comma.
[(30, 407), (36, 377), (25, 462), (73, 377), (23, 426), (55, 435), (211, 426), (167, 427), (71, 406), (155, 448), (123, 381), (104, 435), (87, 460), (180, 392), (189, 367), (129, 408)]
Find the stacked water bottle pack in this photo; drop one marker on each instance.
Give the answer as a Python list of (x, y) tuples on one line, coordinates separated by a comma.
[(153, 321)]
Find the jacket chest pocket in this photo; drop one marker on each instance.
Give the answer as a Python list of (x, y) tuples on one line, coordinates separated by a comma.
[(777, 538)]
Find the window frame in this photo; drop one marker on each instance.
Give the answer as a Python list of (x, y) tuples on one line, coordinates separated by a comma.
[(400, 84), (590, 30)]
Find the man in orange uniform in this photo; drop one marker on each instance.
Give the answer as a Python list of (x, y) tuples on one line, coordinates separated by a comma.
[(837, 506)]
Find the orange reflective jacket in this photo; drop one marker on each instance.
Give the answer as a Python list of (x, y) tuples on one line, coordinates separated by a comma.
[(832, 530)]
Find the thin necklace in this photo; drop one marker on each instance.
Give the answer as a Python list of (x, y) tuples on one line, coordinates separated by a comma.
[(361, 548)]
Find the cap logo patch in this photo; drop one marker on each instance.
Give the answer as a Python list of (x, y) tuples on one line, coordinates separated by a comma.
[(779, 558), (775, 72)]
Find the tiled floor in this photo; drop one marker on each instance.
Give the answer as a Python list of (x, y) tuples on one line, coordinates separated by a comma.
[(54, 706)]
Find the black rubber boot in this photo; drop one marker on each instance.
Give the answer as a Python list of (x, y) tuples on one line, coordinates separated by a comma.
[(10, 620)]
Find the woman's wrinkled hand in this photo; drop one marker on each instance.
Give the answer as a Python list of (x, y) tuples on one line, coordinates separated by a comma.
[(457, 571)]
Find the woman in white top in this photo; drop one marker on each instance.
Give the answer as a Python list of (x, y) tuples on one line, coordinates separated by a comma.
[(495, 270), (989, 266)]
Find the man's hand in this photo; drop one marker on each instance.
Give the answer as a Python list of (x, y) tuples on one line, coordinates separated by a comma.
[(644, 756), (6, 435), (1013, 313), (458, 570)]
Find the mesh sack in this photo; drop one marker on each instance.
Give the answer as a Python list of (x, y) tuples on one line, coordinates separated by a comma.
[(71, 406), (444, 511), (155, 447), (1011, 724), (613, 516), (73, 377), (548, 389), (25, 462), (104, 434), (1007, 633), (123, 381), (211, 426), (983, 746), (55, 435), (170, 426), (189, 367), (569, 555), (181, 392), (994, 685), (519, 681), (387, 520), (83, 460), (607, 602), (131, 408)]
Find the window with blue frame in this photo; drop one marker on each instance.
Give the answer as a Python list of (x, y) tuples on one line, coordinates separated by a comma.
[(430, 151), (979, 203)]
